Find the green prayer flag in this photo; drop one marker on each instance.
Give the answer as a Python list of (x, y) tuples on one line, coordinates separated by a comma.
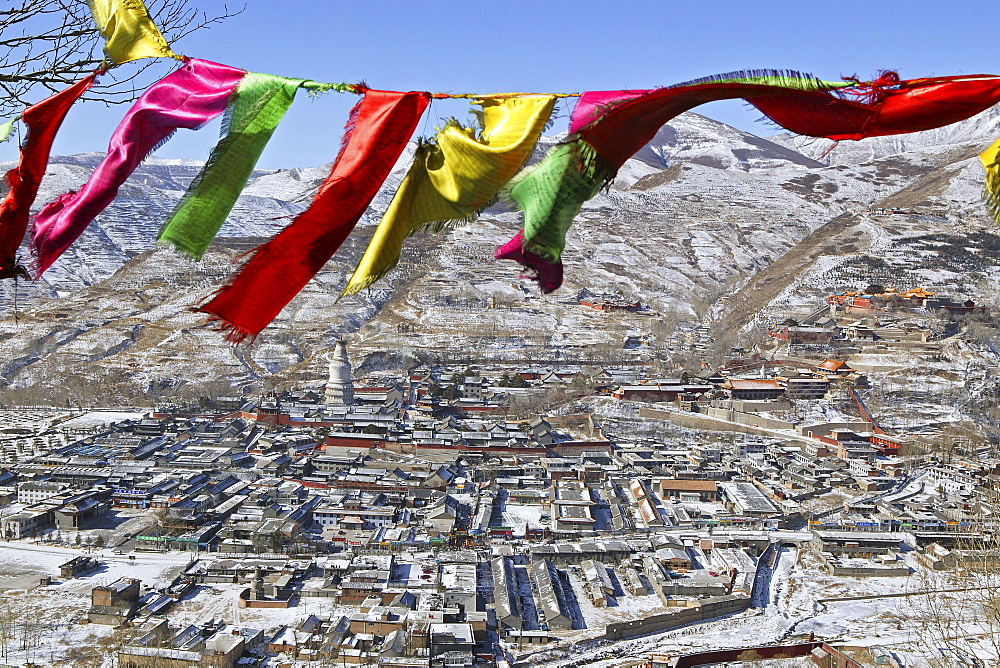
[(260, 103), (551, 193), (6, 129)]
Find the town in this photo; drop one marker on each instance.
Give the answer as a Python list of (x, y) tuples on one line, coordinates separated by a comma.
[(418, 519)]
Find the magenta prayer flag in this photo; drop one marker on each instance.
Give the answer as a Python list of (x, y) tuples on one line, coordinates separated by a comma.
[(187, 98), (593, 104)]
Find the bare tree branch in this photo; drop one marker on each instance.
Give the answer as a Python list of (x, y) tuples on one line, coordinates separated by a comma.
[(45, 45)]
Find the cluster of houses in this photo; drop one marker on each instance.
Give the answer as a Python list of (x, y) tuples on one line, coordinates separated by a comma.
[(405, 610), (608, 302), (891, 298), (892, 317), (748, 379), (441, 608), (826, 333), (448, 531), (887, 297)]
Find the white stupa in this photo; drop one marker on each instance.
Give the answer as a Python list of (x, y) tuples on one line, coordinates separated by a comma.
[(339, 387)]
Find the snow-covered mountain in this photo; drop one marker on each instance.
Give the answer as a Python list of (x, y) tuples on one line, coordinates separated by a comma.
[(706, 224)]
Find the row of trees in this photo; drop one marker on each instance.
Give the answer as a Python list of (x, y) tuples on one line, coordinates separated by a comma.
[(68, 538), (116, 387)]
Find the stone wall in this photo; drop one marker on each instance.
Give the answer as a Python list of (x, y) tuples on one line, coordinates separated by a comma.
[(748, 424), (874, 571), (752, 419), (699, 612)]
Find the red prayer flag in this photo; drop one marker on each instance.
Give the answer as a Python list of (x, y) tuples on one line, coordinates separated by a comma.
[(42, 121), (893, 106), (380, 126)]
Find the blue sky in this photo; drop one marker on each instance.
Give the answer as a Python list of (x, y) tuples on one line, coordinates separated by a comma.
[(548, 46)]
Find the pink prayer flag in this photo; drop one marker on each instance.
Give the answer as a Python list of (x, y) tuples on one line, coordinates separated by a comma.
[(595, 103), (187, 98)]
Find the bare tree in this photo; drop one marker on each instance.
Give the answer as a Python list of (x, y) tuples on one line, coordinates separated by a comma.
[(7, 625), (959, 617), (45, 45)]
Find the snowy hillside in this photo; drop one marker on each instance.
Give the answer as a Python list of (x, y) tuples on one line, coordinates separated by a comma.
[(707, 224)]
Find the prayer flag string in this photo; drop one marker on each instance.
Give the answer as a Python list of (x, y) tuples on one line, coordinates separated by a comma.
[(454, 176), (610, 129), (128, 31), (42, 121)]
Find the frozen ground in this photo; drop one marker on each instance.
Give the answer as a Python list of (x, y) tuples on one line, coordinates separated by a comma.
[(621, 608), (521, 517), (43, 624), (219, 601), (796, 605), (55, 615), (19, 560), (100, 419)]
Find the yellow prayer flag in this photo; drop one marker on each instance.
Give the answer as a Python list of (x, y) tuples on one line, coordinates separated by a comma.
[(455, 177), (991, 192), (128, 30)]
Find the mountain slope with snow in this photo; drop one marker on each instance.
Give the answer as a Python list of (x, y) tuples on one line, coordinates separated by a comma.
[(707, 224)]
